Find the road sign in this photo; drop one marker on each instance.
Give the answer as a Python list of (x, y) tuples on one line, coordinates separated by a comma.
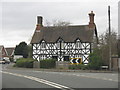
[(76, 60)]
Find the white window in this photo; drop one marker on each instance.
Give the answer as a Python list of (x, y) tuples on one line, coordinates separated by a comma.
[(78, 44), (43, 45), (58, 45)]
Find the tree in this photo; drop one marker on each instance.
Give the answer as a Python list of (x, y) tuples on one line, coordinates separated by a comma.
[(57, 23), (60, 23), (30, 51), (104, 46), (95, 59), (22, 49)]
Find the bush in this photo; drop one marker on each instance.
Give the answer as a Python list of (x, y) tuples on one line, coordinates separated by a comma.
[(25, 62), (95, 60), (74, 66), (83, 67), (47, 63), (79, 66)]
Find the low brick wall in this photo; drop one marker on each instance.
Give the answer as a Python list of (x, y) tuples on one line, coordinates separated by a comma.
[(62, 64)]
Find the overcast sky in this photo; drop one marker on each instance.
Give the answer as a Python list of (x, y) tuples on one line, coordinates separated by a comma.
[(19, 18)]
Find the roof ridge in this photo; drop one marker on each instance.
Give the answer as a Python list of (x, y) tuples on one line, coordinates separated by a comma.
[(63, 26)]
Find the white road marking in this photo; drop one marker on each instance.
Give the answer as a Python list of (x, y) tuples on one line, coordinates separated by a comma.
[(97, 78), (41, 81), (82, 75), (113, 74)]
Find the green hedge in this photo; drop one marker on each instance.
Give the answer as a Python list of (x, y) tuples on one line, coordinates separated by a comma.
[(47, 63), (95, 58), (25, 62), (79, 66)]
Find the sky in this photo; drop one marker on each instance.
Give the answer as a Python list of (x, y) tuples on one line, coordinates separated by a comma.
[(18, 17)]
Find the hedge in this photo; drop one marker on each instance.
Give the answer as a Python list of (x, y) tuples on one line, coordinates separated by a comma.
[(96, 61), (79, 66), (25, 62), (48, 63)]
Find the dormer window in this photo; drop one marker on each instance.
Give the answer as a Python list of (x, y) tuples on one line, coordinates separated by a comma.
[(78, 44), (43, 45), (60, 43)]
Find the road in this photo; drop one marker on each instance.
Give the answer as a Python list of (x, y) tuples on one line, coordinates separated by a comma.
[(26, 78)]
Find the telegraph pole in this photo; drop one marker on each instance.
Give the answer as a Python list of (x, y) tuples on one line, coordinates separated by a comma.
[(109, 38)]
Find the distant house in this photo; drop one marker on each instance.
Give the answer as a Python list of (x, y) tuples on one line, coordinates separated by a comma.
[(64, 42), (10, 51), (3, 52)]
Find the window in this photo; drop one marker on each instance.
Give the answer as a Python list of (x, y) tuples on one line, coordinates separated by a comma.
[(62, 45), (58, 45), (78, 44), (43, 44), (66, 58)]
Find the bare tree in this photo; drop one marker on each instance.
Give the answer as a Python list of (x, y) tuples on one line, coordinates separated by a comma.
[(57, 23), (60, 23), (48, 23), (104, 45)]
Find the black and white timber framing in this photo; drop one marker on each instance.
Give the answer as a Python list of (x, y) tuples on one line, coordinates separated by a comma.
[(63, 43), (62, 51)]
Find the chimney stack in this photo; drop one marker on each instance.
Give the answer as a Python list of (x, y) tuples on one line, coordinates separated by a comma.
[(91, 17), (39, 22)]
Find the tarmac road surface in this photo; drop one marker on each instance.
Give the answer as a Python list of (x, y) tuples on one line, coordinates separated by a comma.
[(26, 78)]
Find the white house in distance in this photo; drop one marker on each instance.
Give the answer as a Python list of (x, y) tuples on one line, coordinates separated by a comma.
[(64, 43)]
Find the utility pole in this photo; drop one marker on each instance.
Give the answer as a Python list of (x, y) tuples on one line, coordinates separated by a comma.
[(109, 38)]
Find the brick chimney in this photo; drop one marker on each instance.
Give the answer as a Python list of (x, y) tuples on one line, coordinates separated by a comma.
[(39, 23), (91, 17)]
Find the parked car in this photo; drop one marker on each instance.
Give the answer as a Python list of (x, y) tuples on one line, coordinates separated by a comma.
[(2, 61), (5, 61)]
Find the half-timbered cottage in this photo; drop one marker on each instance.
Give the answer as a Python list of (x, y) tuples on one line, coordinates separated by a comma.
[(63, 42)]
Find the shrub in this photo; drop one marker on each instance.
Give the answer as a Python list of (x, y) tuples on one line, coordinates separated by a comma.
[(74, 66), (95, 60), (79, 66), (25, 62), (83, 66), (47, 63)]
